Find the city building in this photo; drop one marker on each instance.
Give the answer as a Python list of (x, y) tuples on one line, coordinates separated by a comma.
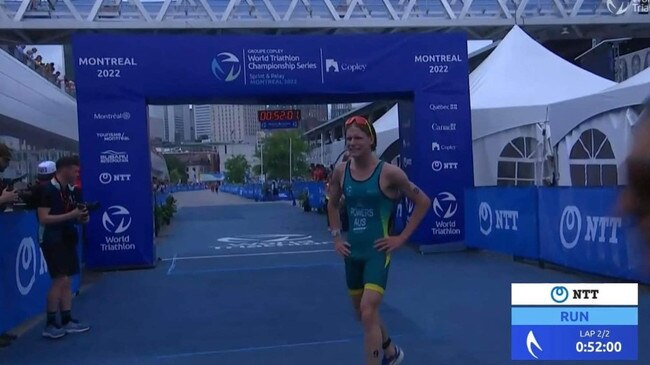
[(203, 122)]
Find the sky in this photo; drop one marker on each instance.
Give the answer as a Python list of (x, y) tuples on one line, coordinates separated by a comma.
[(54, 53), (51, 53)]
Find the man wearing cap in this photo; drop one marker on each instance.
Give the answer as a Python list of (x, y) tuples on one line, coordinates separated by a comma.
[(46, 170)]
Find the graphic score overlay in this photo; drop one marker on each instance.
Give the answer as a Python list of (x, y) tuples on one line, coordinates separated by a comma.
[(574, 321)]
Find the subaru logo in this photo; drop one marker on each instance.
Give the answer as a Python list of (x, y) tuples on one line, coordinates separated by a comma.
[(570, 226), (445, 205), (116, 219), (226, 67), (485, 218)]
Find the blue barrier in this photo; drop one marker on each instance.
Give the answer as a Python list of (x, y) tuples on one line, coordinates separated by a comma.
[(578, 228), (581, 228), (24, 279), (502, 220), (315, 192)]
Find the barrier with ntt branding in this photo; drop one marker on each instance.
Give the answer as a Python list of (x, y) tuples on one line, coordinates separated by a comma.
[(501, 223), (24, 278), (581, 228), (578, 228), (117, 75)]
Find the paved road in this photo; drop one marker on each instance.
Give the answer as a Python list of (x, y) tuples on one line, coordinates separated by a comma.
[(244, 283)]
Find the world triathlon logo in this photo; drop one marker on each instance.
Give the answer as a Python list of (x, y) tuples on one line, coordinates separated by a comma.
[(226, 67), (618, 7)]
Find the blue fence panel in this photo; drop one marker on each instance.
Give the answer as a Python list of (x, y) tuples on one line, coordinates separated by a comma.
[(502, 220), (24, 280), (580, 228)]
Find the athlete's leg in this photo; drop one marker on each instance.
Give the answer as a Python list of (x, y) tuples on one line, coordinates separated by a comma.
[(389, 347), (369, 309), (376, 279)]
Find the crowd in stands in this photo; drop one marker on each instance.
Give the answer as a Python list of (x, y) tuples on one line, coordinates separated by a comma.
[(33, 60)]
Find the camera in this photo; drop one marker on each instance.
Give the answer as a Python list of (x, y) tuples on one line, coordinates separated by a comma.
[(89, 206)]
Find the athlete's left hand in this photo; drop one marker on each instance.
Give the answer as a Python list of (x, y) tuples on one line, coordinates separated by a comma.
[(389, 244)]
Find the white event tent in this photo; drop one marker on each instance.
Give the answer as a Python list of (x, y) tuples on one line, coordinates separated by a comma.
[(598, 129), (510, 93)]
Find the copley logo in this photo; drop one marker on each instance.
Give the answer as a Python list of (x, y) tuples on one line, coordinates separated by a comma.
[(113, 137), (445, 206), (111, 156), (106, 178), (435, 146), (439, 166), (116, 221), (332, 65), (505, 219), (26, 265), (600, 229), (226, 67), (112, 116)]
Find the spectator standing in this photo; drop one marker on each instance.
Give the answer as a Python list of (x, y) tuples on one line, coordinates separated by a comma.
[(58, 213)]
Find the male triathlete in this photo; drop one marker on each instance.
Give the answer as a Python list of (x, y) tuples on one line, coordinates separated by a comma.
[(371, 188)]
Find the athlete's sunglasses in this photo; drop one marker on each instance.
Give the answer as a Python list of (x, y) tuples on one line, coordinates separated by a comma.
[(360, 121)]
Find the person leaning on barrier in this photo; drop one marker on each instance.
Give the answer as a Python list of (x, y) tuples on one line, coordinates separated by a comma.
[(635, 199), (6, 195), (58, 213)]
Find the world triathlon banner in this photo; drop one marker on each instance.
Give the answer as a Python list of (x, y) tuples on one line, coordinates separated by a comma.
[(117, 75)]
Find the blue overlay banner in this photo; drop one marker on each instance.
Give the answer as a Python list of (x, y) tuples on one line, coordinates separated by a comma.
[(607, 342)]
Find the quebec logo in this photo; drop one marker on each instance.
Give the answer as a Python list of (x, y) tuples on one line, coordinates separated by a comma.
[(226, 67)]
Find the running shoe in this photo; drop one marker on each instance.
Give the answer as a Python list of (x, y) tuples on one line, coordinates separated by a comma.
[(395, 359), (53, 332), (75, 327)]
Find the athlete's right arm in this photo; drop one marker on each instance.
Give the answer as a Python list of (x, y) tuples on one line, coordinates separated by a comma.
[(335, 193)]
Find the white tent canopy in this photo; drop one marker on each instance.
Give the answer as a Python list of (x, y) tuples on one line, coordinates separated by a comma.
[(514, 85), (567, 115)]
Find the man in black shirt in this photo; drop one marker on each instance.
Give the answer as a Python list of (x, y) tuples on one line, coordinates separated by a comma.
[(58, 214)]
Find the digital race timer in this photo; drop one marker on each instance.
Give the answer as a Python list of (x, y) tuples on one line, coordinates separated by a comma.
[(279, 119), (288, 115)]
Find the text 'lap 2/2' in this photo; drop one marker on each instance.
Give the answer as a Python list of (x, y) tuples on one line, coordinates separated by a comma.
[(574, 321)]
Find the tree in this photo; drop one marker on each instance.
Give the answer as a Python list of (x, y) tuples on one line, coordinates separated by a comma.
[(176, 169), (236, 168), (276, 155)]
